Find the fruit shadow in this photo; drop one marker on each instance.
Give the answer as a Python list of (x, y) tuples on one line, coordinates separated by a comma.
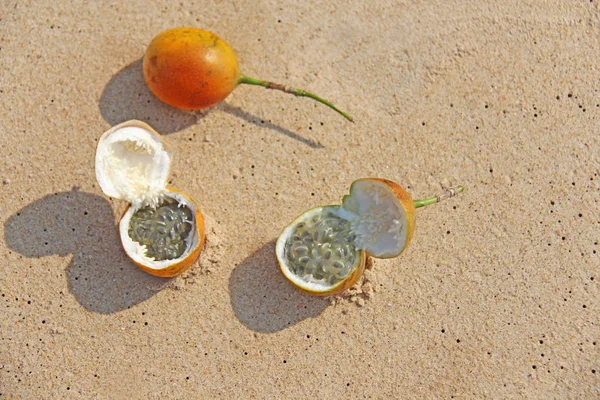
[(238, 112), (263, 300), (126, 97), (100, 276)]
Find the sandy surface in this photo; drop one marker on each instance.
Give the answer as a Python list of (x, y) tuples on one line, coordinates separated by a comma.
[(498, 295)]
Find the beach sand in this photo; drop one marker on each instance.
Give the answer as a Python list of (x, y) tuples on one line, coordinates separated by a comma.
[(497, 296)]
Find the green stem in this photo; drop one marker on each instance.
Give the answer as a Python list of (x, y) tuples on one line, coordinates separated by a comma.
[(288, 89), (449, 193)]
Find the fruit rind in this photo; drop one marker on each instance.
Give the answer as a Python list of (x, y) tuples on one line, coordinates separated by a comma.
[(135, 147), (406, 201)]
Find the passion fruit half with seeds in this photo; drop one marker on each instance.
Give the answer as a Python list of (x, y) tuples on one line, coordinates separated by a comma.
[(324, 251), (162, 231)]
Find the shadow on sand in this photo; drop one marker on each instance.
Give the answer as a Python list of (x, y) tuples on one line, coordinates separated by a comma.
[(126, 96), (263, 300), (100, 275)]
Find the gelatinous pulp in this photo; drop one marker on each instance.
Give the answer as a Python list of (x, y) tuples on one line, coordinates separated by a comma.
[(163, 230), (322, 249)]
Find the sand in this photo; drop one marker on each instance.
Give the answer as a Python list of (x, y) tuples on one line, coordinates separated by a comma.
[(496, 297)]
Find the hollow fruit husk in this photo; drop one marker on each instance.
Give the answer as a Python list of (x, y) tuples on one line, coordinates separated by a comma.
[(382, 215)]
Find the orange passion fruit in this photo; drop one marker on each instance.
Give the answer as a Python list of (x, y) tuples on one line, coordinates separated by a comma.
[(191, 69), (324, 250), (162, 231)]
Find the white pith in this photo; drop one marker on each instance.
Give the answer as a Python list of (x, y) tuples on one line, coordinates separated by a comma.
[(377, 218), (310, 284), (133, 163), (137, 252)]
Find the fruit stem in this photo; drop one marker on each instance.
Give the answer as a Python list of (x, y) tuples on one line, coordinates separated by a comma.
[(446, 195), (291, 90)]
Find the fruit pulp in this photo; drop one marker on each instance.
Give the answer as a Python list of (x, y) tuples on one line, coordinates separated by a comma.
[(321, 249), (163, 230)]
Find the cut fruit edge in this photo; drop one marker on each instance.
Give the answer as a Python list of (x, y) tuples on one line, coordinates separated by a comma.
[(315, 288)]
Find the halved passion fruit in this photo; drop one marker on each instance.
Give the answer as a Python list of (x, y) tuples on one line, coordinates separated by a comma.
[(162, 231), (324, 251)]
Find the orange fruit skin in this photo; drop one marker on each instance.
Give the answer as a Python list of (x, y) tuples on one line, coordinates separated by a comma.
[(407, 203), (190, 68), (181, 266)]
